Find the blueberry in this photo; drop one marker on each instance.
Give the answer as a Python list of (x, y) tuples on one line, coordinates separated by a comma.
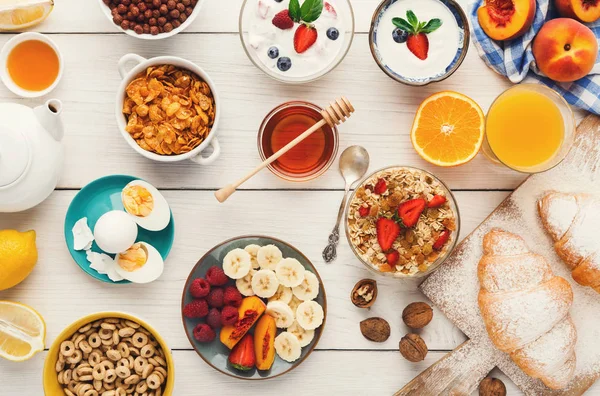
[(278, 1), (399, 35), (273, 52), (333, 33), (284, 63)]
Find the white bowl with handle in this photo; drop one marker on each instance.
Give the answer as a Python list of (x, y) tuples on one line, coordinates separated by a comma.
[(141, 64)]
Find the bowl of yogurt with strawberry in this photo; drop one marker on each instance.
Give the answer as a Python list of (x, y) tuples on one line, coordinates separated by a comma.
[(296, 41), (417, 42)]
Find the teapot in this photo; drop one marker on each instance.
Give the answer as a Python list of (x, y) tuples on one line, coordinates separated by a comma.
[(31, 154)]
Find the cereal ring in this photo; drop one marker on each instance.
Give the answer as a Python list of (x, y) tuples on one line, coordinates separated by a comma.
[(105, 334), (133, 350), (147, 371), (75, 376), (129, 323), (115, 337), (108, 364), (153, 381), (112, 320), (67, 375), (85, 347), (123, 363), (161, 362), (139, 339), (60, 378), (157, 392), (123, 349), (107, 343), (60, 366), (68, 392), (83, 388), (76, 357), (94, 358), (97, 323), (132, 379), (109, 393), (160, 376), (162, 371), (127, 332), (85, 328), (67, 348), (139, 364), (141, 387), (131, 361), (94, 340), (147, 351), (98, 385), (108, 326), (83, 370), (99, 372), (113, 355), (123, 372), (86, 378), (111, 376), (110, 386), (78, 339), (120, 392)]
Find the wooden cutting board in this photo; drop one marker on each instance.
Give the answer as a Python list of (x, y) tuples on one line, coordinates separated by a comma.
[(454, 287)]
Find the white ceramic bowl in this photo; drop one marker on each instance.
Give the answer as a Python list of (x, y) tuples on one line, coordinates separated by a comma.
[(8, 47), (182, 27), (141, 65)]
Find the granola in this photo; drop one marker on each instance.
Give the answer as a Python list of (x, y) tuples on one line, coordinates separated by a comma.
[(416, 248)]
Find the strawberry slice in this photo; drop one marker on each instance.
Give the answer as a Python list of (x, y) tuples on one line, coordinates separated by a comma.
[(410, 211), (418, 44), (442, 239), (392, 257), (304, 38), (437, 200), (363, 211), (380, 187), (387, 232), (282, 20)]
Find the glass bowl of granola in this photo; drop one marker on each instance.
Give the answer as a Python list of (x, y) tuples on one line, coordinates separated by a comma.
[(402, 222)]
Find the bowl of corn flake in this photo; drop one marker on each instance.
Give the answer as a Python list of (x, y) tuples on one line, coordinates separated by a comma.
[(168, 109)]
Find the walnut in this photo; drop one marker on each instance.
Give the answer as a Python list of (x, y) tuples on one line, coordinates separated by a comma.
[(364, 293), (375, 329), (413, 348), (492, 387), (417, 315)]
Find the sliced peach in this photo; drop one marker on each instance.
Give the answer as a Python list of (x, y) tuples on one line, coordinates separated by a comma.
[(264, 342), (565, 50), (506, 19), (583, 10), (248, 313)]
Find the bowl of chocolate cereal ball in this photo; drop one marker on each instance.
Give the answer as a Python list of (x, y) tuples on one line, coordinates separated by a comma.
[(151, 19)]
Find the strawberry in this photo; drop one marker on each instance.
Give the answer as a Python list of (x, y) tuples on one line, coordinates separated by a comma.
[(380, 187), (304, 38), (329, 8), (418, 44), (437, 200), (387, 232), (392, 257), (417, 41), (442, 239), (410, 211), (283, 20), (242, 355), (363, 211)]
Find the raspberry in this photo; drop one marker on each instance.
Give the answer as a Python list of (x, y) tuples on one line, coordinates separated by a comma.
[(196, 309), (215, 276), (203, 333), (232, 296), (215, 297), (199, 288), (283, 20), (214, 318), (229, 316)]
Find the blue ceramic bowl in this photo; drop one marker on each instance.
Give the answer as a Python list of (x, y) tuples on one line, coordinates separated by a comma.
[(101, 196), (461, 52), (215, 353)]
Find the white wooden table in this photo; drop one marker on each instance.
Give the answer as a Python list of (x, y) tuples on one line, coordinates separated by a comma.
[(345, 363)]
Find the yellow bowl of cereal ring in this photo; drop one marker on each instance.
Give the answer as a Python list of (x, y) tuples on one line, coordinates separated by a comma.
[(402, 222), (168, 109), (109, 354)]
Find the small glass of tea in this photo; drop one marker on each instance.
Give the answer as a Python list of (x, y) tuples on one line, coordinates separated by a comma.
[(308, 159)]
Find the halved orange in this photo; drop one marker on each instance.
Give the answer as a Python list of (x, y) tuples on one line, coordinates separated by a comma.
[(448, 129)]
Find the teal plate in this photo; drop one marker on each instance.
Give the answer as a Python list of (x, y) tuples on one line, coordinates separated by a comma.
[(215, 353), (101, 196)]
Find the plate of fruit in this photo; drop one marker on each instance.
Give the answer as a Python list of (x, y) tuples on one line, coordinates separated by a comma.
[(254, 307)]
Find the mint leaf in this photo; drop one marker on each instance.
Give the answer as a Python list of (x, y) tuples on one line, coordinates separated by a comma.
[(294, 10), (412, 19), (432, 26), (403, 24), (311, 10)]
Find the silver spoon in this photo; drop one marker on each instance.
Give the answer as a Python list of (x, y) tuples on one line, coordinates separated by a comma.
[(354, 163)]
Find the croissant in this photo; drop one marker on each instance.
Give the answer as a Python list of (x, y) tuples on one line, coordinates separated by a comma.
[(573, 222), (525, 308)]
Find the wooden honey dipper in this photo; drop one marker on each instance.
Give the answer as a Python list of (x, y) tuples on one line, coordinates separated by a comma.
[(335, 114)]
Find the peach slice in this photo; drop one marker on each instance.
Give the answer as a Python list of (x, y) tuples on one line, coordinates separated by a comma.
[(248, 313), (583, 10), (506, 19), (264, 342), (565, 50)]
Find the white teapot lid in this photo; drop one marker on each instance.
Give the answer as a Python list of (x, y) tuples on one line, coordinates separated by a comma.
[(15, 155)]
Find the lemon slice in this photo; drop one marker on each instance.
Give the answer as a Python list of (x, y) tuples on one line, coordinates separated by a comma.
[(22, 331), (20, 14)]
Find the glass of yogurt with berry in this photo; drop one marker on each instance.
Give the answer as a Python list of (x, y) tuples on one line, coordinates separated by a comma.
[(417, 42), (296, 41)]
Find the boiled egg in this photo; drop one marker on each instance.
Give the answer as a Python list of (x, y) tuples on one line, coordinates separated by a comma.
[(146, 205), (141, 263), (115, 231)]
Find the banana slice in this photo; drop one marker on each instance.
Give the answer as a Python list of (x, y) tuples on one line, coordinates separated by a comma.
[(309, 288), (265, 283), (290, 272), (310, 315), (253, 251), (268, 257), (281, 312), (304, 336), (244, 285), (288, 347), (283, 294), (236, 264), (294, 303)]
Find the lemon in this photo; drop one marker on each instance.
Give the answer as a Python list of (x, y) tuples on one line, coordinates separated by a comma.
[(20, 14), (22, 331), (18, 255)]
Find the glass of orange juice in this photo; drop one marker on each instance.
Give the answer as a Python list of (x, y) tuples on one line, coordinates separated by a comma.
[(529, 128)]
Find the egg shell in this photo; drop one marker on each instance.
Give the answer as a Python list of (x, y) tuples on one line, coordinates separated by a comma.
[(149, 272), (160, 216), (82, 235), (115, 231)]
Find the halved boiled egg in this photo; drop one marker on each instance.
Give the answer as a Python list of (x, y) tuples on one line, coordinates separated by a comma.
[(141, 263), (146, 205)]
